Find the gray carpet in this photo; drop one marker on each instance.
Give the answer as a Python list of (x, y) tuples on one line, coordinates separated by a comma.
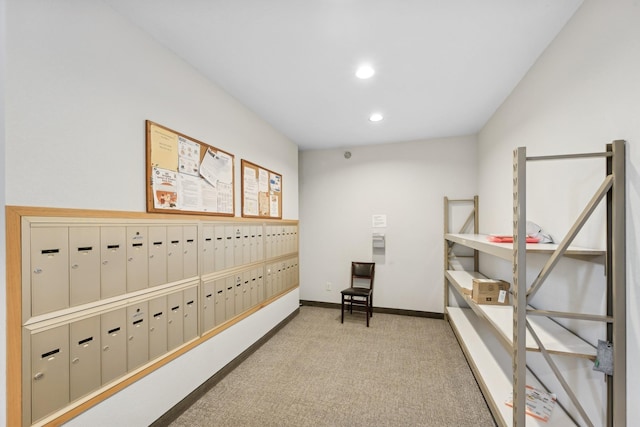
[(402, 371)]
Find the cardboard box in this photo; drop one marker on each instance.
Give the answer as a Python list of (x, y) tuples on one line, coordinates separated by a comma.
[(490, 291)]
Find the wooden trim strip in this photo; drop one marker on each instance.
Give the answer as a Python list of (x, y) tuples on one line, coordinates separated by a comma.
[(13, 228)]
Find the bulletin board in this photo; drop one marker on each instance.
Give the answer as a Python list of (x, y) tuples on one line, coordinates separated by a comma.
[(261, 192), (185, 175)]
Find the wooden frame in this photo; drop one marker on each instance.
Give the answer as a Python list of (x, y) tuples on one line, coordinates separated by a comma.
[(185, 175), (261, 192), (14, 279)]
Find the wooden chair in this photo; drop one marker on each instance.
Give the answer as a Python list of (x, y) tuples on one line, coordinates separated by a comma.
[(361, 291)]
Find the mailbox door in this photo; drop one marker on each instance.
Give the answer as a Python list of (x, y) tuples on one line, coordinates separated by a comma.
[(84, 262)]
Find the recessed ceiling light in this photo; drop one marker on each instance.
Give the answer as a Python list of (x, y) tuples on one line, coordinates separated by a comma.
[(375, 117), (365, 72)]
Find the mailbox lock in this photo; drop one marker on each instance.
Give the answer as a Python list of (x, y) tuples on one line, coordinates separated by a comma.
[(131, 338), (105, 262), (151, 256), (75, 360), (105, 348), (37, 271), (74, 266), (38, 376), (130, 259)]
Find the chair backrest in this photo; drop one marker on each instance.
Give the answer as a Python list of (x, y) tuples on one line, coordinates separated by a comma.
[(363, 270)]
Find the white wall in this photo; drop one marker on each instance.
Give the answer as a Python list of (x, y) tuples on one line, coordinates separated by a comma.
[(582, 93), (406, 182), (80, 83)]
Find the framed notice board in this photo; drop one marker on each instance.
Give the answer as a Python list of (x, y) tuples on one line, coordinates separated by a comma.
[(261, 192), (185, 175)]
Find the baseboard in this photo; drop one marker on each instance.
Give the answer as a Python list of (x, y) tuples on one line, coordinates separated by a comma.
[(385, 310), (172, 414)]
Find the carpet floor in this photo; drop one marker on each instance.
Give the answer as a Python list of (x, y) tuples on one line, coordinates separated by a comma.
[(401, 371)]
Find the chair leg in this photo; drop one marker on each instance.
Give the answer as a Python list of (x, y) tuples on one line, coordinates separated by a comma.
[(342, 310), (367, 313)]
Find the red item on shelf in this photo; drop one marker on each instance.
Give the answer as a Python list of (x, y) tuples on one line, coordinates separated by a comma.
[(497, 238)]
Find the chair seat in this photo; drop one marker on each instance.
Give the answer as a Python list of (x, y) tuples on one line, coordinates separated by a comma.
[(356, 292)]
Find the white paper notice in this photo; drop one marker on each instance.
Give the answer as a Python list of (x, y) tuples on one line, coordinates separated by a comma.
[(216, 167), (226, 168), (225, 197), (250, 196), (379, 220), (188, 156), (263, 181), (189, 193), (273, 206), (209, 197)]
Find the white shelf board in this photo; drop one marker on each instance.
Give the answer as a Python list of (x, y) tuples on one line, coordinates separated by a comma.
[(481, 243), (555, 338), (488, 367)]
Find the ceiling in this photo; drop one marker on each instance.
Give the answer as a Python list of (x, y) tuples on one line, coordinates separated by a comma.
[(443, 67)]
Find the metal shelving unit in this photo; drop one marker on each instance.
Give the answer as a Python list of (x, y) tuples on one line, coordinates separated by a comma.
[(520, 328)]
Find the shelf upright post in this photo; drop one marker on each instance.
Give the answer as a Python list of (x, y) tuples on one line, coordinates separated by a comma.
[(476, 228), (519, 360), (446, 255), (616, 285)]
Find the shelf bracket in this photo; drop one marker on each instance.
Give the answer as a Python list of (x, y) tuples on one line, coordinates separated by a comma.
[(575, 229), (556, 371)]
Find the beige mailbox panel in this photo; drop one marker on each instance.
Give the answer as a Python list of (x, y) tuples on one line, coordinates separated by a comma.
[(268, 280), (246, 290), (84, 260), (84, 352), (253, 286), (113, 261), (75, 266), (113, 339), (238, 296), (190, 251), (246, 244), (49, 269), (190, 298), (237, 246), (219, 245), (157, 255), (229, 260), (260, 284), (175, 332), (137, 258), (230, 297), (259, 243), (175, 258), (220, 301), (157, 327), (137, 335), (208, 249), (208, 305), (268, 242), (49, 371)]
